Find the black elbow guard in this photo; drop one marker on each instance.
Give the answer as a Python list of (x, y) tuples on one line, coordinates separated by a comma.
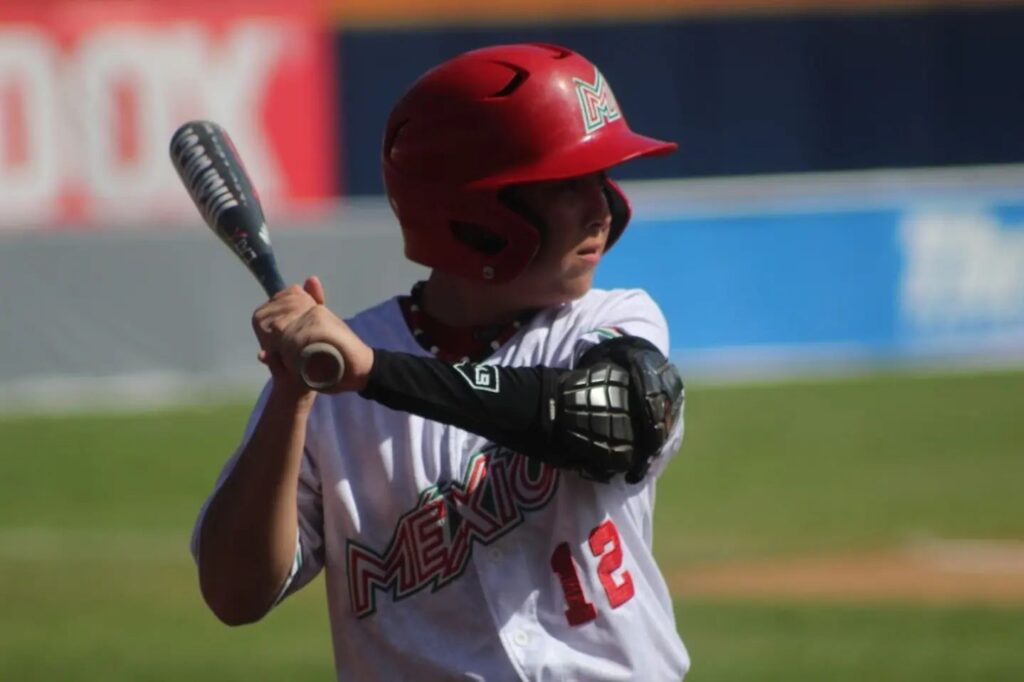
[(614, 412)]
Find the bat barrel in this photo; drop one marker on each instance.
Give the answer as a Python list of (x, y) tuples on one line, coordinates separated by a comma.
[(216, 180), (219, 186)]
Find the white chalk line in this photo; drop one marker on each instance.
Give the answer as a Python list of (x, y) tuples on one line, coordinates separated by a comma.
[(988, 557)]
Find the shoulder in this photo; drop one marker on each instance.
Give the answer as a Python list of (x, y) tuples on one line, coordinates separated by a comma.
[(376, 312), (618, 312), (380, 325), (603, 299)]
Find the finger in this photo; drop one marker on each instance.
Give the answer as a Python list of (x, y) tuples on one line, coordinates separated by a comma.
[(290, 290), (264, 358), (289, 304), (274, 326), (277, 315), (276, 364), (315, 289)]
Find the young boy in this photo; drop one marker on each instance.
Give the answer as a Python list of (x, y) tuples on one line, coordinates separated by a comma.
[(479, 488)]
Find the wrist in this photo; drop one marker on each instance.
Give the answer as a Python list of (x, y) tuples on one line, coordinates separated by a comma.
[(290, 396), (362, 378), (378, 362)]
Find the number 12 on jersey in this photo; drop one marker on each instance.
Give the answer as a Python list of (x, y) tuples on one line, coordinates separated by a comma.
[(604, 544)]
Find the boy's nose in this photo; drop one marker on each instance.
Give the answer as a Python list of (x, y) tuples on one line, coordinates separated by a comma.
[(598, 213)]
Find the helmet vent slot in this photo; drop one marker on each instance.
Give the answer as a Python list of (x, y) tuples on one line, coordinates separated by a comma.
[(518, 79), (560, 52), (478, 237)]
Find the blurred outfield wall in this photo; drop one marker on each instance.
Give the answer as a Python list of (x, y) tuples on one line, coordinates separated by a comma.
[(774, 274), (831, 271), (779, 258)]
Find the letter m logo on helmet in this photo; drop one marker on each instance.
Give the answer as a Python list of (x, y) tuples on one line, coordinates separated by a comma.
[(597, 103)]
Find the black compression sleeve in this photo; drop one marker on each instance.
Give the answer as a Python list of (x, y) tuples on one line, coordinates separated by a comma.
[(507, 405)]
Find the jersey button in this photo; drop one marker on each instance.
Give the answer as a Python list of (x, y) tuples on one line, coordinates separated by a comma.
[(494, 554), (521, 638)]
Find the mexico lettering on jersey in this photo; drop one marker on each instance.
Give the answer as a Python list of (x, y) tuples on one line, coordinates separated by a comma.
[(433, 542)]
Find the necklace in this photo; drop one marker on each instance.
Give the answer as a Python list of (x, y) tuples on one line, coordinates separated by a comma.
[(455, 344)]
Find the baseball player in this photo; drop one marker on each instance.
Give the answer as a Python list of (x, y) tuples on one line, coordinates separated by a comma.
[(479, 489)]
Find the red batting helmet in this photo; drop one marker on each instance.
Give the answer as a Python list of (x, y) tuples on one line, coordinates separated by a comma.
[(486, 120)]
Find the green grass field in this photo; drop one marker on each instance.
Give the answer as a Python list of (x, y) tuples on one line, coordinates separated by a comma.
[(95, 512)]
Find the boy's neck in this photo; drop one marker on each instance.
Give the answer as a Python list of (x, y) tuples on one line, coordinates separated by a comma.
[(459, 302)]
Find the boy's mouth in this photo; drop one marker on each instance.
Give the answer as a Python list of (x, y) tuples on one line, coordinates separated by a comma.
[(591, 253)]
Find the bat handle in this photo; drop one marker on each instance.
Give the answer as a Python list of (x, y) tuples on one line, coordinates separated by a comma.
[(266, 272), (321, 366)]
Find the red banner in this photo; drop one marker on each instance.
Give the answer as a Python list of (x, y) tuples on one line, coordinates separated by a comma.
[(90, 93)]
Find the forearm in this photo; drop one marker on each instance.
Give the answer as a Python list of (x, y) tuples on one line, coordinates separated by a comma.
[(609, 415), (248, 535), (503, 404)]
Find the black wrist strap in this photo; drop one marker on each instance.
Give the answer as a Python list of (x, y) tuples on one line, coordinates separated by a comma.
[(507, 405)]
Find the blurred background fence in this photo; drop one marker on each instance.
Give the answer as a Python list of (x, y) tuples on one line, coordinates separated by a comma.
[(846, 188), (106, 276)]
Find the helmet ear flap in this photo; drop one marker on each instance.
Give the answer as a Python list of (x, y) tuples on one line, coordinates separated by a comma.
[(618, 206), (507, 196), (478, 237)]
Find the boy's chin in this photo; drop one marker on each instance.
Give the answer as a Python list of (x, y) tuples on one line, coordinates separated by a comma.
[(576, 288), (561, 292)]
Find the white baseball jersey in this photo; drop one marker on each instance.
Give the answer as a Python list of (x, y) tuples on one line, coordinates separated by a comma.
[(448, 558)]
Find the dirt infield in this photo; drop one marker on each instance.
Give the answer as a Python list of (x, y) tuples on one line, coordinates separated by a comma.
[(948, 572)]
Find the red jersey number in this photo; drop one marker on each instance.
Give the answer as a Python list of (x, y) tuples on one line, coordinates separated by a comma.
[(606, 545), (601, 538)]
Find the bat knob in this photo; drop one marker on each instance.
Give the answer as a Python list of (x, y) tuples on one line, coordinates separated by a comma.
[(321, 366)]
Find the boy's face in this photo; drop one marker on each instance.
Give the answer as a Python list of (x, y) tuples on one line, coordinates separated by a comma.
[(576, 224)]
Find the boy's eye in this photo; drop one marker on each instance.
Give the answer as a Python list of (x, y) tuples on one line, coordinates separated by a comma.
[(572, 184)]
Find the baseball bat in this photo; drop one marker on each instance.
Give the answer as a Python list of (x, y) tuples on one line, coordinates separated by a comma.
[(213, 174)]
